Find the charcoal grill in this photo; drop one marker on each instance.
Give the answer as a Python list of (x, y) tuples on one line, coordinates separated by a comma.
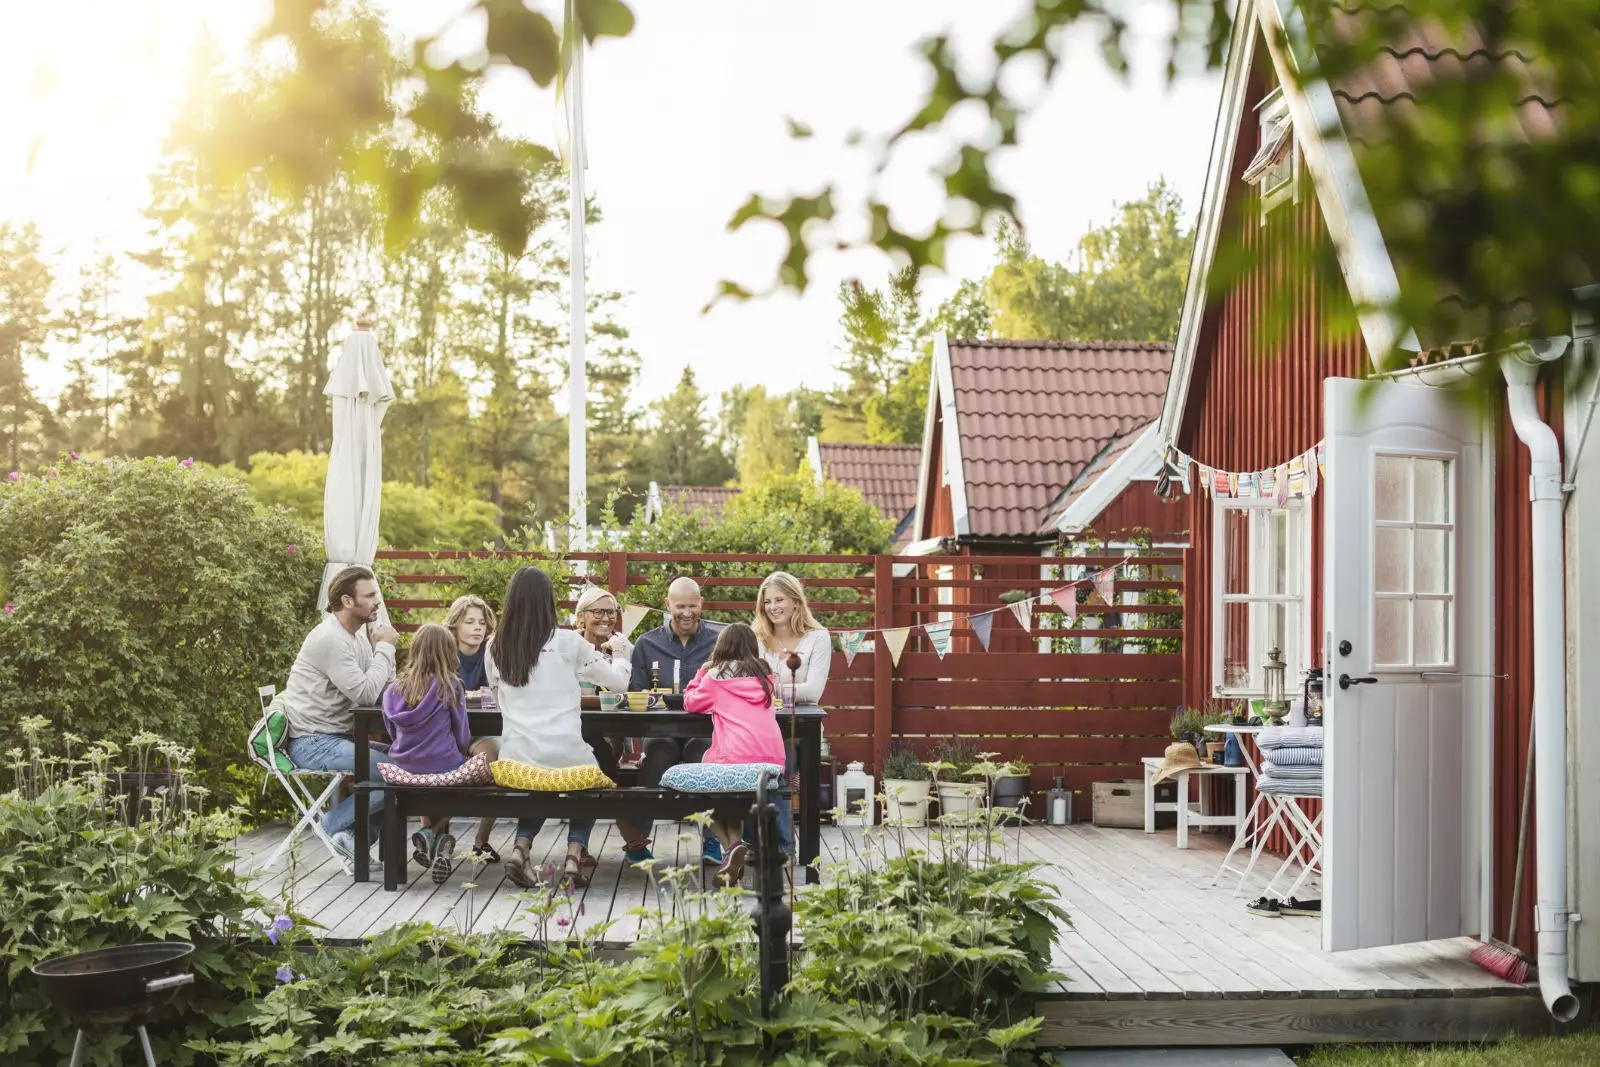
[(115, 986)]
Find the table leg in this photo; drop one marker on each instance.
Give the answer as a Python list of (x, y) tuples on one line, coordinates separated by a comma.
[(1238, 804), (393, 850), (810, 798), (1183, 809), (1149, 801), (363, 801)]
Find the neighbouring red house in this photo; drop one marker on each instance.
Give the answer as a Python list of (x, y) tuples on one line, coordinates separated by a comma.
[(885, 474), (708, 500), (1439, 602)]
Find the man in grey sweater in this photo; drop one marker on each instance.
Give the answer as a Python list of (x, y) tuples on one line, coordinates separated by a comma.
[(345, 663)]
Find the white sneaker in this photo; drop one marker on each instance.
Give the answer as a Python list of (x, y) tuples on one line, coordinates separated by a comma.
[(345, 842)]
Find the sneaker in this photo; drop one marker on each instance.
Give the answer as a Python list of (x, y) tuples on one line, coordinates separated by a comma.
[(444, 852), (1265, 907), (345, 842), (1292, 906), (422, 845), (711, 852), (731, 873), (637, 852)]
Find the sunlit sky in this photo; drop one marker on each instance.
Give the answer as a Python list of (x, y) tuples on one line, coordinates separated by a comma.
[(684, 119)]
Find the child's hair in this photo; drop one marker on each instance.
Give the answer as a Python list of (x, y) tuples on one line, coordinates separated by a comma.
[(462, 605), (432, 658), (737, 654)]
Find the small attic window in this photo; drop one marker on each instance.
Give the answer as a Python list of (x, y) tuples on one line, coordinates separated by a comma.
[(1275, 170)]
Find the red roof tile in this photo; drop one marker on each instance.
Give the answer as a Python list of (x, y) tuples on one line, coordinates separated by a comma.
[(1032, 414), (708, 498), (885, 474)]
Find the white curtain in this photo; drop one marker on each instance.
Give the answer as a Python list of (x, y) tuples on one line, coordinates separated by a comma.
[(361, 393)]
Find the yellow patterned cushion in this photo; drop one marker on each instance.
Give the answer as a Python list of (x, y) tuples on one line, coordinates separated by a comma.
[(514, 775)]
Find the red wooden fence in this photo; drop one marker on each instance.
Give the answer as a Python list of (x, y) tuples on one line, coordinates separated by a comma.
[(1084, 705)]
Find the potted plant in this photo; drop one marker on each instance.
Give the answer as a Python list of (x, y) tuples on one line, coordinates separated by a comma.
[(1189, 725), (960, 800), (907, 788), (1008, 791)]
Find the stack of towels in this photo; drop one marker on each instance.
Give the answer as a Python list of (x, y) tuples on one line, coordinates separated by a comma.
[(1291, 760)]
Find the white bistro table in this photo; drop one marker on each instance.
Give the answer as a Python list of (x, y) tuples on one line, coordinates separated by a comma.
[(1188, 815), (1249, 826)]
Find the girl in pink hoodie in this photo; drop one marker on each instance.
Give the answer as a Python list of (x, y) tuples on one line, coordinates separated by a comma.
[(737, 690)]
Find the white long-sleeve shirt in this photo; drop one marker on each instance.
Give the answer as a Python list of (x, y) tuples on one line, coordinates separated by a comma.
[(816, 658), (542, 721), (336, 672)]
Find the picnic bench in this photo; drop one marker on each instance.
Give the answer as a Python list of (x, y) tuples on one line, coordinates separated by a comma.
[(624, 801)]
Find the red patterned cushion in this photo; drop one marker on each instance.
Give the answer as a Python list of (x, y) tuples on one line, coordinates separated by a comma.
[(473, 772)]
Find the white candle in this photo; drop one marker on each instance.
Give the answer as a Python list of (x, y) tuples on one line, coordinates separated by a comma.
[(676, 665)]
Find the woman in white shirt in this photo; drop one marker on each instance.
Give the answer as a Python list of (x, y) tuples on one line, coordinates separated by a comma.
[(784, 625), (535, 668)]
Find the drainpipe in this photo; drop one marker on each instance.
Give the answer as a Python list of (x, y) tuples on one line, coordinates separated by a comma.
[(1521, 369)]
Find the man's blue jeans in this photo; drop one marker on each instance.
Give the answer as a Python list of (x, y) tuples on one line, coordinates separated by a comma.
[(331, 752)]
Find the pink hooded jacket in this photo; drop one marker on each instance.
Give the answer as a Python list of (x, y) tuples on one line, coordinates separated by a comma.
[(744, 726)]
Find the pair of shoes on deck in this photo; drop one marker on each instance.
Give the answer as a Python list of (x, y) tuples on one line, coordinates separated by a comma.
[(1268, 908), (436, 852), (731, 871)]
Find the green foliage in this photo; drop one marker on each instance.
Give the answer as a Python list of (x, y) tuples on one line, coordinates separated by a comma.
[(24, 326), (769, 446), (849, 522), (412, 517), (486, 576), (1572, 1050), (904, 765), (148, 596), (1186, 723), (958, 756), (680, 446), (79, 876)]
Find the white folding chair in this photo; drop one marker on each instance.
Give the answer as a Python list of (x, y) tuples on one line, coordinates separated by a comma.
[(1304, 833), (267, 748)]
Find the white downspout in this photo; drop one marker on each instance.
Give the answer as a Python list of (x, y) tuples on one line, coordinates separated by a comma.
[(1521, 369)]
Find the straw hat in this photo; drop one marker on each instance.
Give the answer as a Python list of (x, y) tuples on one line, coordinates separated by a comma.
[(1179, 756)]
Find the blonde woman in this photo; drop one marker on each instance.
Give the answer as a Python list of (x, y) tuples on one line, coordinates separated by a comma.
[(470, 621), (784, 624)]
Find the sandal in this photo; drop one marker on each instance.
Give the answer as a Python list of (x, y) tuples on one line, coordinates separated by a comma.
[(486, 853), (574, 874), (588, 861), (1265, 907), (519, 868), (1292, 906)]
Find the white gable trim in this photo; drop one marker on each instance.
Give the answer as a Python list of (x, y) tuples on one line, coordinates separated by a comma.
[(1341, 196), (814, 457), (1140, 462), (925, 474), (945, 376)]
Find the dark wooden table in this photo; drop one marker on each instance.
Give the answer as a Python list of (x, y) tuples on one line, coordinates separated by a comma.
[(485, 722)]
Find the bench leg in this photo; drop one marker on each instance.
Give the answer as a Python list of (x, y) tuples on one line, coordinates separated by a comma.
[(392, 848)]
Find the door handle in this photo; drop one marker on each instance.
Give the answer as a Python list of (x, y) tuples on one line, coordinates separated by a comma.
[(1345, 681)]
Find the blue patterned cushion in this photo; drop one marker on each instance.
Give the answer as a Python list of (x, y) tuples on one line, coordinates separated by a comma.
[(717, 777)]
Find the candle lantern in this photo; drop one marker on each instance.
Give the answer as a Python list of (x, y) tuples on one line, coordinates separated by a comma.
[(1314, 697), (1059, 806), (1276, 705)]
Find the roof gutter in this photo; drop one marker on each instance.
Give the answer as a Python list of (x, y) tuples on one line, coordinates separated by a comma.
[(1520, 366)]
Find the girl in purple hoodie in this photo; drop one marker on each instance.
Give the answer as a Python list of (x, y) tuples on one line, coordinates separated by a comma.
[(425, 711), (737, 690)]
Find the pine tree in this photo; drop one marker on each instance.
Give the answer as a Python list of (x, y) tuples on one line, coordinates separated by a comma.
[(25, 325), (681, 448)]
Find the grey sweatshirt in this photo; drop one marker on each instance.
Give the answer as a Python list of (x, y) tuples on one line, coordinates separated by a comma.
[(335, 672)]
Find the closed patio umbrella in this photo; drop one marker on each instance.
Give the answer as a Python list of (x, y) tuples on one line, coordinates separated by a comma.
[(361, 393)]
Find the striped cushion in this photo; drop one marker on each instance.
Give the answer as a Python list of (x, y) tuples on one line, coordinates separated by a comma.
[(718, 777)]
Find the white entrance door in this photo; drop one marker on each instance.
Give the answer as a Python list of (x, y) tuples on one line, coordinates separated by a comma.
[(1404, 602)]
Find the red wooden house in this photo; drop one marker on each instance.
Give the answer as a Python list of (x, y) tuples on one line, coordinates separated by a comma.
[(885, 474), (1436, 611)]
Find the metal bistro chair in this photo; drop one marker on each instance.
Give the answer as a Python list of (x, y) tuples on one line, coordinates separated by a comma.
[(266, 747)]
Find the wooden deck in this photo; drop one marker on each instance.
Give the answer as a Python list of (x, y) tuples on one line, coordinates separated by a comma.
[(1155, 954)]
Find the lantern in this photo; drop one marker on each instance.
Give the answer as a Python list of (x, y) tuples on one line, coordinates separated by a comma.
[(1275, 705), (1058, 807), (1314, 697)]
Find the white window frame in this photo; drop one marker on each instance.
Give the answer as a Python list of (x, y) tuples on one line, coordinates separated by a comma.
[(1452, 531), (1273, 114), (1296, 657)]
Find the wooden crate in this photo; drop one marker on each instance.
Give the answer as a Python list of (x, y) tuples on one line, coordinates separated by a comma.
[(1120, 804)]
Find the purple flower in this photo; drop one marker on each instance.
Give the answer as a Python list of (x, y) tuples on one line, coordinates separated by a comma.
[(563, 922), (293, 549), (189, 462), (280, 926), (284, 974), (74, 455), (10, 609), (15, 476)]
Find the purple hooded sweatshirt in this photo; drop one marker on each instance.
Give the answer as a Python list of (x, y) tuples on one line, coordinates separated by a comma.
[(430, 738)]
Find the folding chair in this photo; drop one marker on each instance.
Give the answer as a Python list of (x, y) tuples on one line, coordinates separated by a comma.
[(266, 747)]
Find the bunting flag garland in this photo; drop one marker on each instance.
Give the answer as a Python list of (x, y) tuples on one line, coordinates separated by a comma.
[(981, 627), (1023, 610), (939, 635), (1066, 599), (895, 641), (1299, 476), (1322, 460), (851, 643), (632, 616), (1105, 585), (1311, 472), (1282, 476)]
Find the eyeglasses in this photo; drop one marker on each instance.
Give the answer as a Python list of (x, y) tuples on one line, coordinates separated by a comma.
[(602, 613)]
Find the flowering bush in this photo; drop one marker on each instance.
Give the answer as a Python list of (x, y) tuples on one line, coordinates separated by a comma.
[(145, 595)]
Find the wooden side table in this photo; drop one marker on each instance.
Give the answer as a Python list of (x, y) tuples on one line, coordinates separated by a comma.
[(1196, 815)]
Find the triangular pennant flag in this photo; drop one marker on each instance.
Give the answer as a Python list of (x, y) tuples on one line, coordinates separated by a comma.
[(632, 616), (1311, 472), (1105, 584), (851, 643), (1282, 477), (939, 635), (1247, 487), (1224, 483), (1267, 484), (1205, 478), (1066, 599), (1023, 610), (1297, 476), (1184, 462), (895, 641), (981, 626), (1322, 459)]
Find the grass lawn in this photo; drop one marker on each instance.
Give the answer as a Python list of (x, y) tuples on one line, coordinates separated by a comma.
[(1568, 1051)]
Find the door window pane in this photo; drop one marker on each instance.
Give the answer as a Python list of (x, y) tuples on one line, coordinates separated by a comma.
[(1433, 490), (1433, 567), (1392, 498), (1391, 632), (1392, 559), (1432, 632)]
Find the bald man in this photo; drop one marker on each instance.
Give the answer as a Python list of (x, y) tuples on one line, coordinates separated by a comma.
[(685, 641)]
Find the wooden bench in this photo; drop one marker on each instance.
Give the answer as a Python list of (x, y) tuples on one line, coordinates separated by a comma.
[(492, 801)]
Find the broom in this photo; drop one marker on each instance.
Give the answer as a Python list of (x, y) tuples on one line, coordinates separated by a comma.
[(1496, 956)]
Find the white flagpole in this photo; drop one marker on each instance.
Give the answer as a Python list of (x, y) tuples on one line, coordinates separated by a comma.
[(578, 379)]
